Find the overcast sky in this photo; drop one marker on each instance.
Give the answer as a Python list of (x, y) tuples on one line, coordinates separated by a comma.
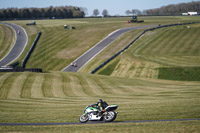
[(114, 7)]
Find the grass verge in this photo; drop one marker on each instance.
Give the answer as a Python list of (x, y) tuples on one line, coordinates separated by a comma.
[(110, 68), (183, 74), (7, 37)]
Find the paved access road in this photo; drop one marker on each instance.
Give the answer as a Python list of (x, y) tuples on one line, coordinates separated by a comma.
[(95, 122), (91, 53), (18, 47)]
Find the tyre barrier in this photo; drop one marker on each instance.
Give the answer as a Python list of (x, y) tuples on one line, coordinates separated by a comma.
[(15, 64), (31, 50), (131, 43), (19, 69)]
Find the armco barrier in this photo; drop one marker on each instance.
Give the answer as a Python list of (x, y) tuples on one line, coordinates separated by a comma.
[(19, 69), (151, 29), (31, 50)]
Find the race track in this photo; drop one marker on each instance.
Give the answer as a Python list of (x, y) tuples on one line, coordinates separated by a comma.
[(91, 53), (78, 123), (18, 47)]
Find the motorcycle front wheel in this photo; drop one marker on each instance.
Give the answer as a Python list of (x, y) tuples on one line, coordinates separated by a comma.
[(83, 118), (110, 116)]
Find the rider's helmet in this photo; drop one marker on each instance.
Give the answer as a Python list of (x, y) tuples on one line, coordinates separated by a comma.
[(100, 100)]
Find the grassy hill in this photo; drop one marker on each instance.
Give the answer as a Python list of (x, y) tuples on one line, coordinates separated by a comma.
[(55, 96), (61, 97), (175, 47), (61, 47)]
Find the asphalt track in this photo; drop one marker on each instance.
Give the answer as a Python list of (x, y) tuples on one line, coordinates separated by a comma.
[(91, 53), (78, 123), (18, 47)]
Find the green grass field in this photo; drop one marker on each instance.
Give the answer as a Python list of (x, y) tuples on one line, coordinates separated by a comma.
[(61, 47), (132, 83), (175, 46), (7, 37), (61, 97)]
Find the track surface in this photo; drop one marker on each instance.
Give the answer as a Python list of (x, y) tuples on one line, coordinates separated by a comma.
[(18, 47), (91, 53), (78, 123)]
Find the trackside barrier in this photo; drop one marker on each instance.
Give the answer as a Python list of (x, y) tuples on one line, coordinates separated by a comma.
[(31, 50), (15, 64), (19, 69), (131, 43)]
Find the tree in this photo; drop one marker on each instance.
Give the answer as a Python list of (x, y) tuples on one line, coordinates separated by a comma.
[(105, 13), (136, 12), (37, 13), (128, 12), (84, 9), (96, 12)]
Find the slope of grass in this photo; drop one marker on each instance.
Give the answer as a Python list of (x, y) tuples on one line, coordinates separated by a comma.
[(61, 97), (177, 46), (127, 66), (59, 47), (7, 37), (112, 49), (174, 46), (109, 69)]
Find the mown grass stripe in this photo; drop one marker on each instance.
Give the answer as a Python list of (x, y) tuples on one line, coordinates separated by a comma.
[(156, 45), (67, 86), (47, 86), (102, 86), (168, 45), (87, 89), (192, 42), (5, 88), (76, 86), (57, 89), (4, 77), (18, 88), (109, 87), (98, 91), (180, 43), (36, 89), (27, 88)]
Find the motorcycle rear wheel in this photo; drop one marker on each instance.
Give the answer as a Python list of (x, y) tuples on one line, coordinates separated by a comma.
[(110, 116), (83, 118)]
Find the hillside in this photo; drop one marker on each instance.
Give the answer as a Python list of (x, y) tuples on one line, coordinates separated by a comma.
[(174, 47), (58, 47), (61, 97), (131, 82)]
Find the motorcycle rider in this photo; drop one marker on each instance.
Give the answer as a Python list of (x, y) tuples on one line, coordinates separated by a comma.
[(100, 105)]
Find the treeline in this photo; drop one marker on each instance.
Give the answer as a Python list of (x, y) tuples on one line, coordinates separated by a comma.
[(39, 13), (177, 9)]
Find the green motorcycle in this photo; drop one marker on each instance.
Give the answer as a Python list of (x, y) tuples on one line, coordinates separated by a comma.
[(95, 114)]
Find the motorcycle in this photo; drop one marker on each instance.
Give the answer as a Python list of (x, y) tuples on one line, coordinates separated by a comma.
[(94, 114)]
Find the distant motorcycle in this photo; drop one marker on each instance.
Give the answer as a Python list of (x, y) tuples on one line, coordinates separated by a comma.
[(94, 114), (74, 64)]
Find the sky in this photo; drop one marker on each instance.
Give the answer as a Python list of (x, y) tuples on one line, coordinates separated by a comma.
[(114, 7)]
